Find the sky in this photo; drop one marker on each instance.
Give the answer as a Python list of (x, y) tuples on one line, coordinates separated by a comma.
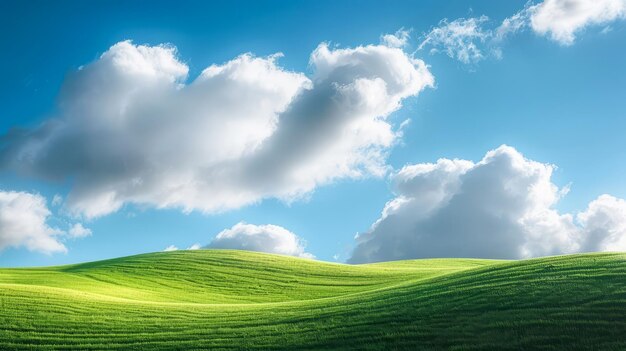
[(328, 130)]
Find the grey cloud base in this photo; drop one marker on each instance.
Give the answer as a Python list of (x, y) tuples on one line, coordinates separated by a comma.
[(131, 130)]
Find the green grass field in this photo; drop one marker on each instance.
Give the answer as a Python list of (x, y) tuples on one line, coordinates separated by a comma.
[(221, 299)]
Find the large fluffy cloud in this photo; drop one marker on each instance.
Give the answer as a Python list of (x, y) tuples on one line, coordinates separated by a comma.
[(500, 207), (264, 238), (23, 223), (131, 129)]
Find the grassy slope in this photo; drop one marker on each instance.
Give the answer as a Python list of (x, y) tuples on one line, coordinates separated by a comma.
[(230, 299)]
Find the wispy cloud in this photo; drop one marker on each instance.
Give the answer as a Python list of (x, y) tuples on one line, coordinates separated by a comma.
[(470, 40), (462, 39)]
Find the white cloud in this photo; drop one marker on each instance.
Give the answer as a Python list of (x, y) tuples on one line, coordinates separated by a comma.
[(23, 218), (170, 248), (512, 25), (462, 39), (57, 200), (561, 20), (399, 39), (78, 231), (500, 207), (194, 247), (264, 238), (605, 224), (471, 40), (132, 130)]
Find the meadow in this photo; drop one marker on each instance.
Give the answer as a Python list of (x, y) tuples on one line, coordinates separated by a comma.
[(224, 299)]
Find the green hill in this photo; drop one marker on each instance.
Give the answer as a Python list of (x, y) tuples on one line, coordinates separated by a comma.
[(220, 299)]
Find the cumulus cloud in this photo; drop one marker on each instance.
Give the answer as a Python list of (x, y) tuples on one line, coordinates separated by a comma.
[(175, 248), (78, 231), (264, 238), (399, 39), (562, 19), (194, 247), (605, 225), (462, 39), (23, 223), (500, 207), (131, 129)]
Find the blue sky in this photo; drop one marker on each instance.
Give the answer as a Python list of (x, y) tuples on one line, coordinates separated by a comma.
[(556, 102)]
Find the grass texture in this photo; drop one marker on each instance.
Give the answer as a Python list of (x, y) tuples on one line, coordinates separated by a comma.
[(223, 299)]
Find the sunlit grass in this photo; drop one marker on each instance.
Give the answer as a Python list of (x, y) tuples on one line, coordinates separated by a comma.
[(234, 299)]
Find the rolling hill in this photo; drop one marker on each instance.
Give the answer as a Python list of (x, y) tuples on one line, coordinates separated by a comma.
[(222, 299)]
